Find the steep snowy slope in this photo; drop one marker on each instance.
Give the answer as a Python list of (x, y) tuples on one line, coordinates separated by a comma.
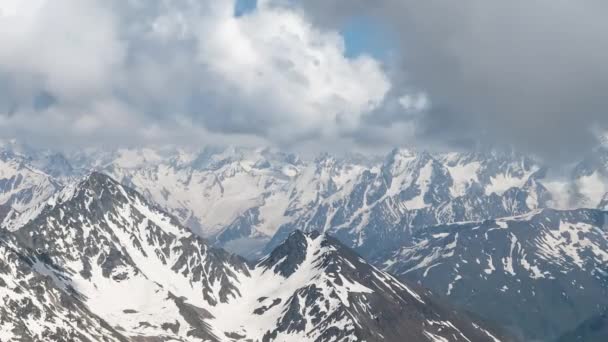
[(21, 185), (150, 278), (313, 288), (541, 274), (35, 309), (211, 191), (129, 262)]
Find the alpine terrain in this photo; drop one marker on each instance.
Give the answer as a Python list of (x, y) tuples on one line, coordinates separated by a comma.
[(98, 262), (540, 274), (394, 211)]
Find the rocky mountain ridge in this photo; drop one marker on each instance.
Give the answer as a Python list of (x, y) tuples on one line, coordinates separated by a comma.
[(127, 271), (541, 273)]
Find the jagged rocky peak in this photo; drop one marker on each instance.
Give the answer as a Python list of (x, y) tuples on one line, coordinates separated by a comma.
[(94, 195), (214, 158), (329, 254), (22, 186), (144, 277), (103, 242), (104, 189), (287, 257), (94, 183), (239, 197), (398, 160), (330, 286), (99, 212)]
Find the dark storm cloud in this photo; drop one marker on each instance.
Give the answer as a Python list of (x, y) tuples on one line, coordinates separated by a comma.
[(528, 73)]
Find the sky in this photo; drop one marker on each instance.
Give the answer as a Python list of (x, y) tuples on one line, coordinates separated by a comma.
[(314, 75)]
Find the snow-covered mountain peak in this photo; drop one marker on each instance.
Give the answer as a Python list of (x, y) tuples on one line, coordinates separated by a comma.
[(287, 257), (93, 187), (105, 241), (142, 276), (240, 197), (322, 251), (313, 278), (134, 158), (398, 159), (22, 185)]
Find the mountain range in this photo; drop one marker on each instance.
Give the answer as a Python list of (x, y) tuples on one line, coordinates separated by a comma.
[(98, 262), (240, 197), (440, 220), (539, 274)]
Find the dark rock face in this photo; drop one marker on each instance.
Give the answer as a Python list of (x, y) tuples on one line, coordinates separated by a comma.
[(5, 210), (540, 274), (288, 256), (594, 329)]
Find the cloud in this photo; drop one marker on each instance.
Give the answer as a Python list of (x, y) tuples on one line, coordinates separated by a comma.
[(118, 72), (300, 75), (522, 73), (68, 47), (526, 73)]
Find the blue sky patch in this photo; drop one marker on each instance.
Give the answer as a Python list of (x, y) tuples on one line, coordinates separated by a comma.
[(243, 7), (364, 35)]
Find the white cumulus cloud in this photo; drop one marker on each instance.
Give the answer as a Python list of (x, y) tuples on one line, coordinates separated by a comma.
[(115, 71)]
